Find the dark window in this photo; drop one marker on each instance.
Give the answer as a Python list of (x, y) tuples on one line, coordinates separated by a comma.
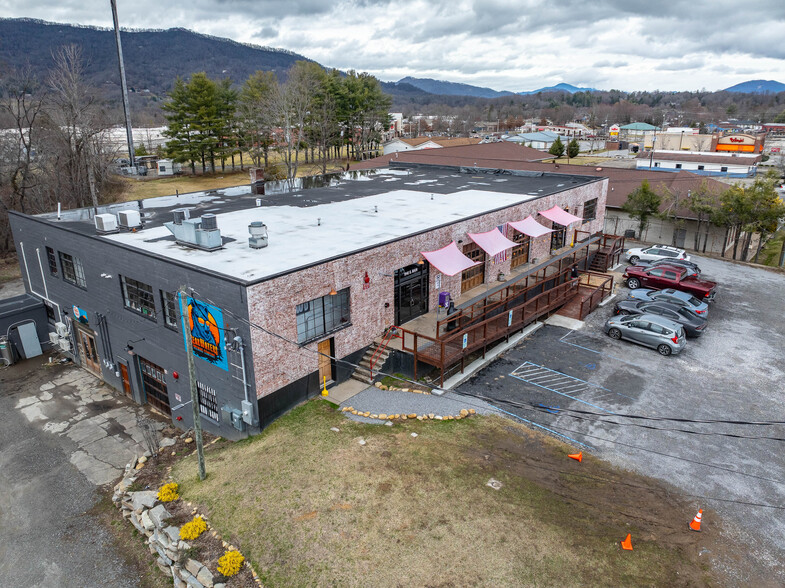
[(656, 164), (520, 253), (678, 166), (701, 166), (656, 272), (320, 316), (138, 297), (208, 400), (50, 312), (723, 169), (668, 253), (658, 329), (590, 210), (73, 272), (671, 275), (52, 259), (169, 305)]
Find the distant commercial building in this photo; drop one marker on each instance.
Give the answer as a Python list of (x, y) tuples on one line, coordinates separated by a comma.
[(736, 165), (401, 144)]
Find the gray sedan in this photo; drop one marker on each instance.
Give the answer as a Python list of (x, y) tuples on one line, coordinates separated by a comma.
[(650, 330)]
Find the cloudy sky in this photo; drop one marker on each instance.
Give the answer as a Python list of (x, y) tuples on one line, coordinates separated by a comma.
[(501, 44)]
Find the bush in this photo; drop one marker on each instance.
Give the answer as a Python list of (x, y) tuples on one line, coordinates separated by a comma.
[(230, 563), (192, 529), (168, 492)]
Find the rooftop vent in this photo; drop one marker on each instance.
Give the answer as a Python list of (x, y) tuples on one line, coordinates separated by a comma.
[(200, 233), (106, 223), (258, 238), (130, 219)]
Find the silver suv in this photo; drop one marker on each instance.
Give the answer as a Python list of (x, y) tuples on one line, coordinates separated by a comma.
[(653, 331), (655, 253)]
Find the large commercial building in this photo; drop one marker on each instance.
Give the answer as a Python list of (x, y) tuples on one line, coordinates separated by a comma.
[(287, 290)]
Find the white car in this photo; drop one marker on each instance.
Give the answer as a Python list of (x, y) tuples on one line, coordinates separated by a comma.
[(654, 253)]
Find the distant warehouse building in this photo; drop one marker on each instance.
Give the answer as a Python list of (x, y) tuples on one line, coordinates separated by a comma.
[(736, 165), (285, 292)]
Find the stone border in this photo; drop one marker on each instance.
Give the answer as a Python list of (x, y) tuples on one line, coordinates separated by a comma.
[(396, 389), (464, 413), (149, 516)]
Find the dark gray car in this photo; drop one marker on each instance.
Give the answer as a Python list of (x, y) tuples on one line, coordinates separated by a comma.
[(694, 325), (650, 330)]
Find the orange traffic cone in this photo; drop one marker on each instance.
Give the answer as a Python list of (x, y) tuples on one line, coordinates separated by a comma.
[(627, 543), (695, 525), (576, 456)]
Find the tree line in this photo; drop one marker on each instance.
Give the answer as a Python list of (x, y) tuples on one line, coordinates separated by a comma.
[(742, 209), (308, 118)]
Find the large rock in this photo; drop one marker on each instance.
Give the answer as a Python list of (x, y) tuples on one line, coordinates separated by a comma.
[(158, 515), (166, 442), (205, 577), (143, 499), (173, 534), (193, 567), (146, 522)]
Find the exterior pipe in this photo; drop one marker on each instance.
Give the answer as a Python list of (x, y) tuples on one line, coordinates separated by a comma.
[(30, 284)]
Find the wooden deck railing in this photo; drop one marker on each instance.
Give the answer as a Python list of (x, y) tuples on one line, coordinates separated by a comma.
[(450, 350), (603, 285)]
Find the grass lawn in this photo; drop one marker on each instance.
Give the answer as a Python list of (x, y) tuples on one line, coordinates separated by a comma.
[(770, 254), (9, 269), (312, 507)]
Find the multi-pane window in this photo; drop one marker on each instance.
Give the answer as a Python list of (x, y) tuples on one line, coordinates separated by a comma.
[(169, 305), (520, 253), (322, 315), (138, 296), (590, 210), (73, 272), (52, 259), (208, 400)]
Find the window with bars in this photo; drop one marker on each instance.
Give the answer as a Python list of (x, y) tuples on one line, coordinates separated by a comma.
[(208, 400), (138, 297), (590, 210), (520, 253), (169, 306), (320, 316), (73, 272), (52, 259)]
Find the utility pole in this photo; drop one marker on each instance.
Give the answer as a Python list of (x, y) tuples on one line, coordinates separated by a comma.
[(189, 349), (124, 88)]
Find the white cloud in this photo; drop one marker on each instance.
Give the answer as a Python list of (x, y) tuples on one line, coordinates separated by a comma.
[(502, 44)]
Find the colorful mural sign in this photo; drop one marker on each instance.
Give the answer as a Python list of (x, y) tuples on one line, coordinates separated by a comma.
[(80, 315), (207, 331)]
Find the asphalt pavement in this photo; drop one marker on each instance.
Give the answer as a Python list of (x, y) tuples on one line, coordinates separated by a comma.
[(577, 383), (62, 435)]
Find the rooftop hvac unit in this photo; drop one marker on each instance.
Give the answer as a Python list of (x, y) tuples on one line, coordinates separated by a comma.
[(209, 222), (54, 338), (258, 238), (65, 344), (106, 223), (181, 214), (130, 219), (62, 329)]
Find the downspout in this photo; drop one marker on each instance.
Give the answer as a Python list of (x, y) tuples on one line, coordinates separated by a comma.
[(30, 284)]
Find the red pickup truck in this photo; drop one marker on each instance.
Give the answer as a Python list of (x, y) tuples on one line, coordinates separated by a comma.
[(669, 276)]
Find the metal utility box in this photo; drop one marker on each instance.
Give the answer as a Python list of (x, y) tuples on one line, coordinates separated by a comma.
[(237, 420)]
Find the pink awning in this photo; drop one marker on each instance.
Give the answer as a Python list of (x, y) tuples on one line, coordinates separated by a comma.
[(448, 260), (531, 227), (559, 216), (492, 242)]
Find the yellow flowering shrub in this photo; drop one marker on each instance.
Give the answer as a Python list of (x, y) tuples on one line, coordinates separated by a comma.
[(192, 529), (168, 492), (230, 563)]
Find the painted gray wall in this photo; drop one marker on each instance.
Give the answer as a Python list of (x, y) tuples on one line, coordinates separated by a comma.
[(103, 295)]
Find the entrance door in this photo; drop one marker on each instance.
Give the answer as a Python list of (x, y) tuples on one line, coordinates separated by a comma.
[(88, 352), (126, 380), (557, 236), (680, 237), (411, 292), (154, 385), (475, 275), (325, 349)]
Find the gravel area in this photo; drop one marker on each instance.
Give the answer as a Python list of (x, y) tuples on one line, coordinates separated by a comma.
[(378, 401)]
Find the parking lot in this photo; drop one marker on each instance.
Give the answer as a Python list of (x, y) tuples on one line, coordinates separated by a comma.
[(583, 386)]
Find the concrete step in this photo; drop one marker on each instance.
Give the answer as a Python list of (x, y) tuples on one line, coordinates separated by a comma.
[(361, 378), (362, 370)]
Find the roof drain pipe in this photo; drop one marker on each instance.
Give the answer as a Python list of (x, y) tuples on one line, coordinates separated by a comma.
[(246, 404)]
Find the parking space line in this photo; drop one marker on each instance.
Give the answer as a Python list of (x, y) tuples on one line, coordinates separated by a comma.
[(563, 339), (524, 370)]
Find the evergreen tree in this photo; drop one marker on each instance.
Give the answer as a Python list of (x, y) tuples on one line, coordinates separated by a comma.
[(573, 148), (256, 116), (557, 148)]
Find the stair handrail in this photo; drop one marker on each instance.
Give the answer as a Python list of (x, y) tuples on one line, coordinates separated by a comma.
[(388, 335)]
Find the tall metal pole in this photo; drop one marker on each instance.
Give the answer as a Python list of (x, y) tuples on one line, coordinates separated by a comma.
[(124, 88), (189, 349)]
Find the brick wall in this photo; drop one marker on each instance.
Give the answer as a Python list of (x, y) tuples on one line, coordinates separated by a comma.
[(272, 303)]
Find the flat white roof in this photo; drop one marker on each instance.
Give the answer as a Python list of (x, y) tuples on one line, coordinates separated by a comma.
[(297, 238)]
